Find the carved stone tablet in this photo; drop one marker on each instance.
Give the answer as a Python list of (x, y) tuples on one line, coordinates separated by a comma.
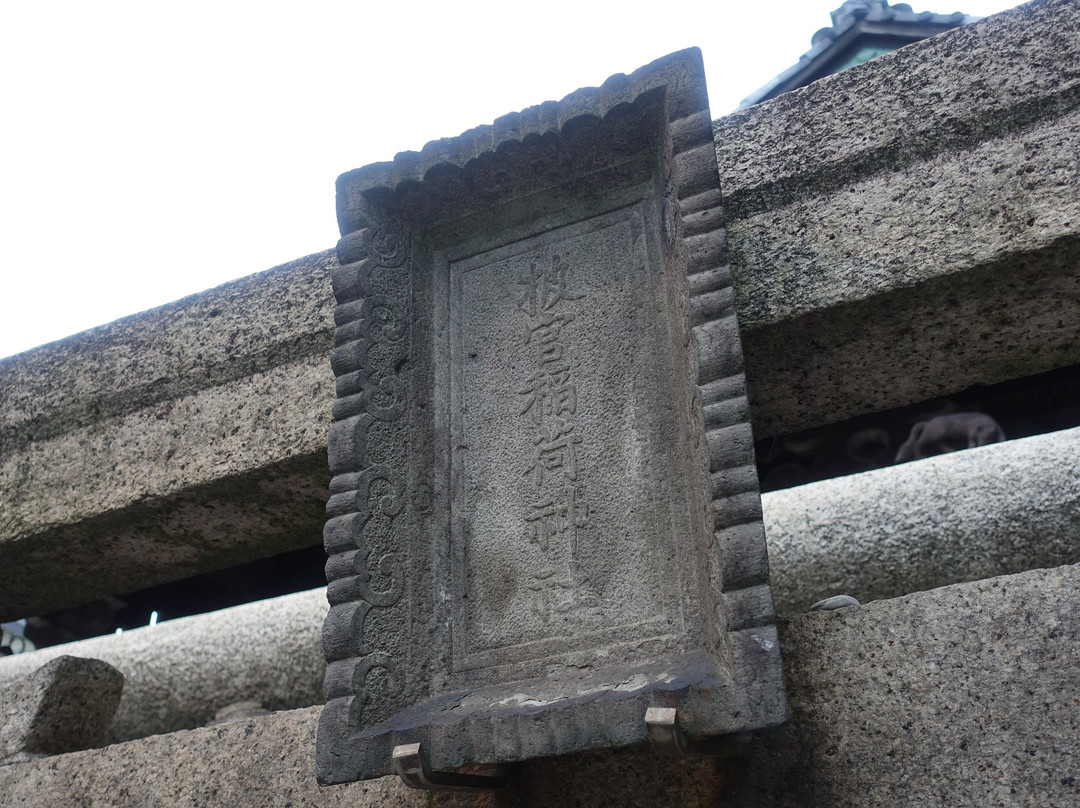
[(544, 515)]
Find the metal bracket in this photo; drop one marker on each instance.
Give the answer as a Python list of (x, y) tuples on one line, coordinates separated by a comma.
[(667, 739), (412, 767)]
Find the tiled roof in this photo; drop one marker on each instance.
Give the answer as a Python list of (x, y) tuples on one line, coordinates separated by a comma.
[(853, 19)]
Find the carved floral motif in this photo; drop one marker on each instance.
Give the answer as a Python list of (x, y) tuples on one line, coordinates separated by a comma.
[(368, 502)]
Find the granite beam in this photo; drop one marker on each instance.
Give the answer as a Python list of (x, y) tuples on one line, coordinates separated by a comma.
[(910, 227), (178, 441), (124, 450), (962, 696), (180, 673), (985, 670), (998, 509)]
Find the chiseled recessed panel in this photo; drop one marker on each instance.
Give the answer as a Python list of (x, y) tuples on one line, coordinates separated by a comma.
[(544, 516), (568, 492)]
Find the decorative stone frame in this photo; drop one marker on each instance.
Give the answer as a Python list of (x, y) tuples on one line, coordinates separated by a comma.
[(623, 179)]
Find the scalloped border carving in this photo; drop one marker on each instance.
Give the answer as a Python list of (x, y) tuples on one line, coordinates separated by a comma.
[(373, 339)]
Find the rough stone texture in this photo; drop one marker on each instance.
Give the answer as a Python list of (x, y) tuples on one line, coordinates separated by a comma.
[(224, 334), (181, 672), (178, 441), (238, 711), (968, 695), (973, 514), (63, 706), (271, 761), (985, 671), (964, 696), (864, 204), (999, 509), (981, 256), (541, 447)]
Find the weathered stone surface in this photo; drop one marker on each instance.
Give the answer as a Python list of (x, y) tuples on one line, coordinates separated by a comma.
[(865, 204), (541, 421), (270, 761), (876, 535), (959, 89), (915, 178), (968, 695), (184, 439), (63, 706), (974, 514), (1001, 509), (964, 696), (238, 711), (181, 672)]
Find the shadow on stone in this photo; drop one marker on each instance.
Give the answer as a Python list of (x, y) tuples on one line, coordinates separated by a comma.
[(63, 706)]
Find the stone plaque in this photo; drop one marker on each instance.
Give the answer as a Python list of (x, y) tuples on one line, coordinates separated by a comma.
[(544, 516)]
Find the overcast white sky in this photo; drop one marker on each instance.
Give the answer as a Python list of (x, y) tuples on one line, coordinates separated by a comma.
[(155, 149)]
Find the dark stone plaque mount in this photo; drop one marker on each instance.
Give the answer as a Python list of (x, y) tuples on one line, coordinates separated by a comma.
[(544, 517)]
